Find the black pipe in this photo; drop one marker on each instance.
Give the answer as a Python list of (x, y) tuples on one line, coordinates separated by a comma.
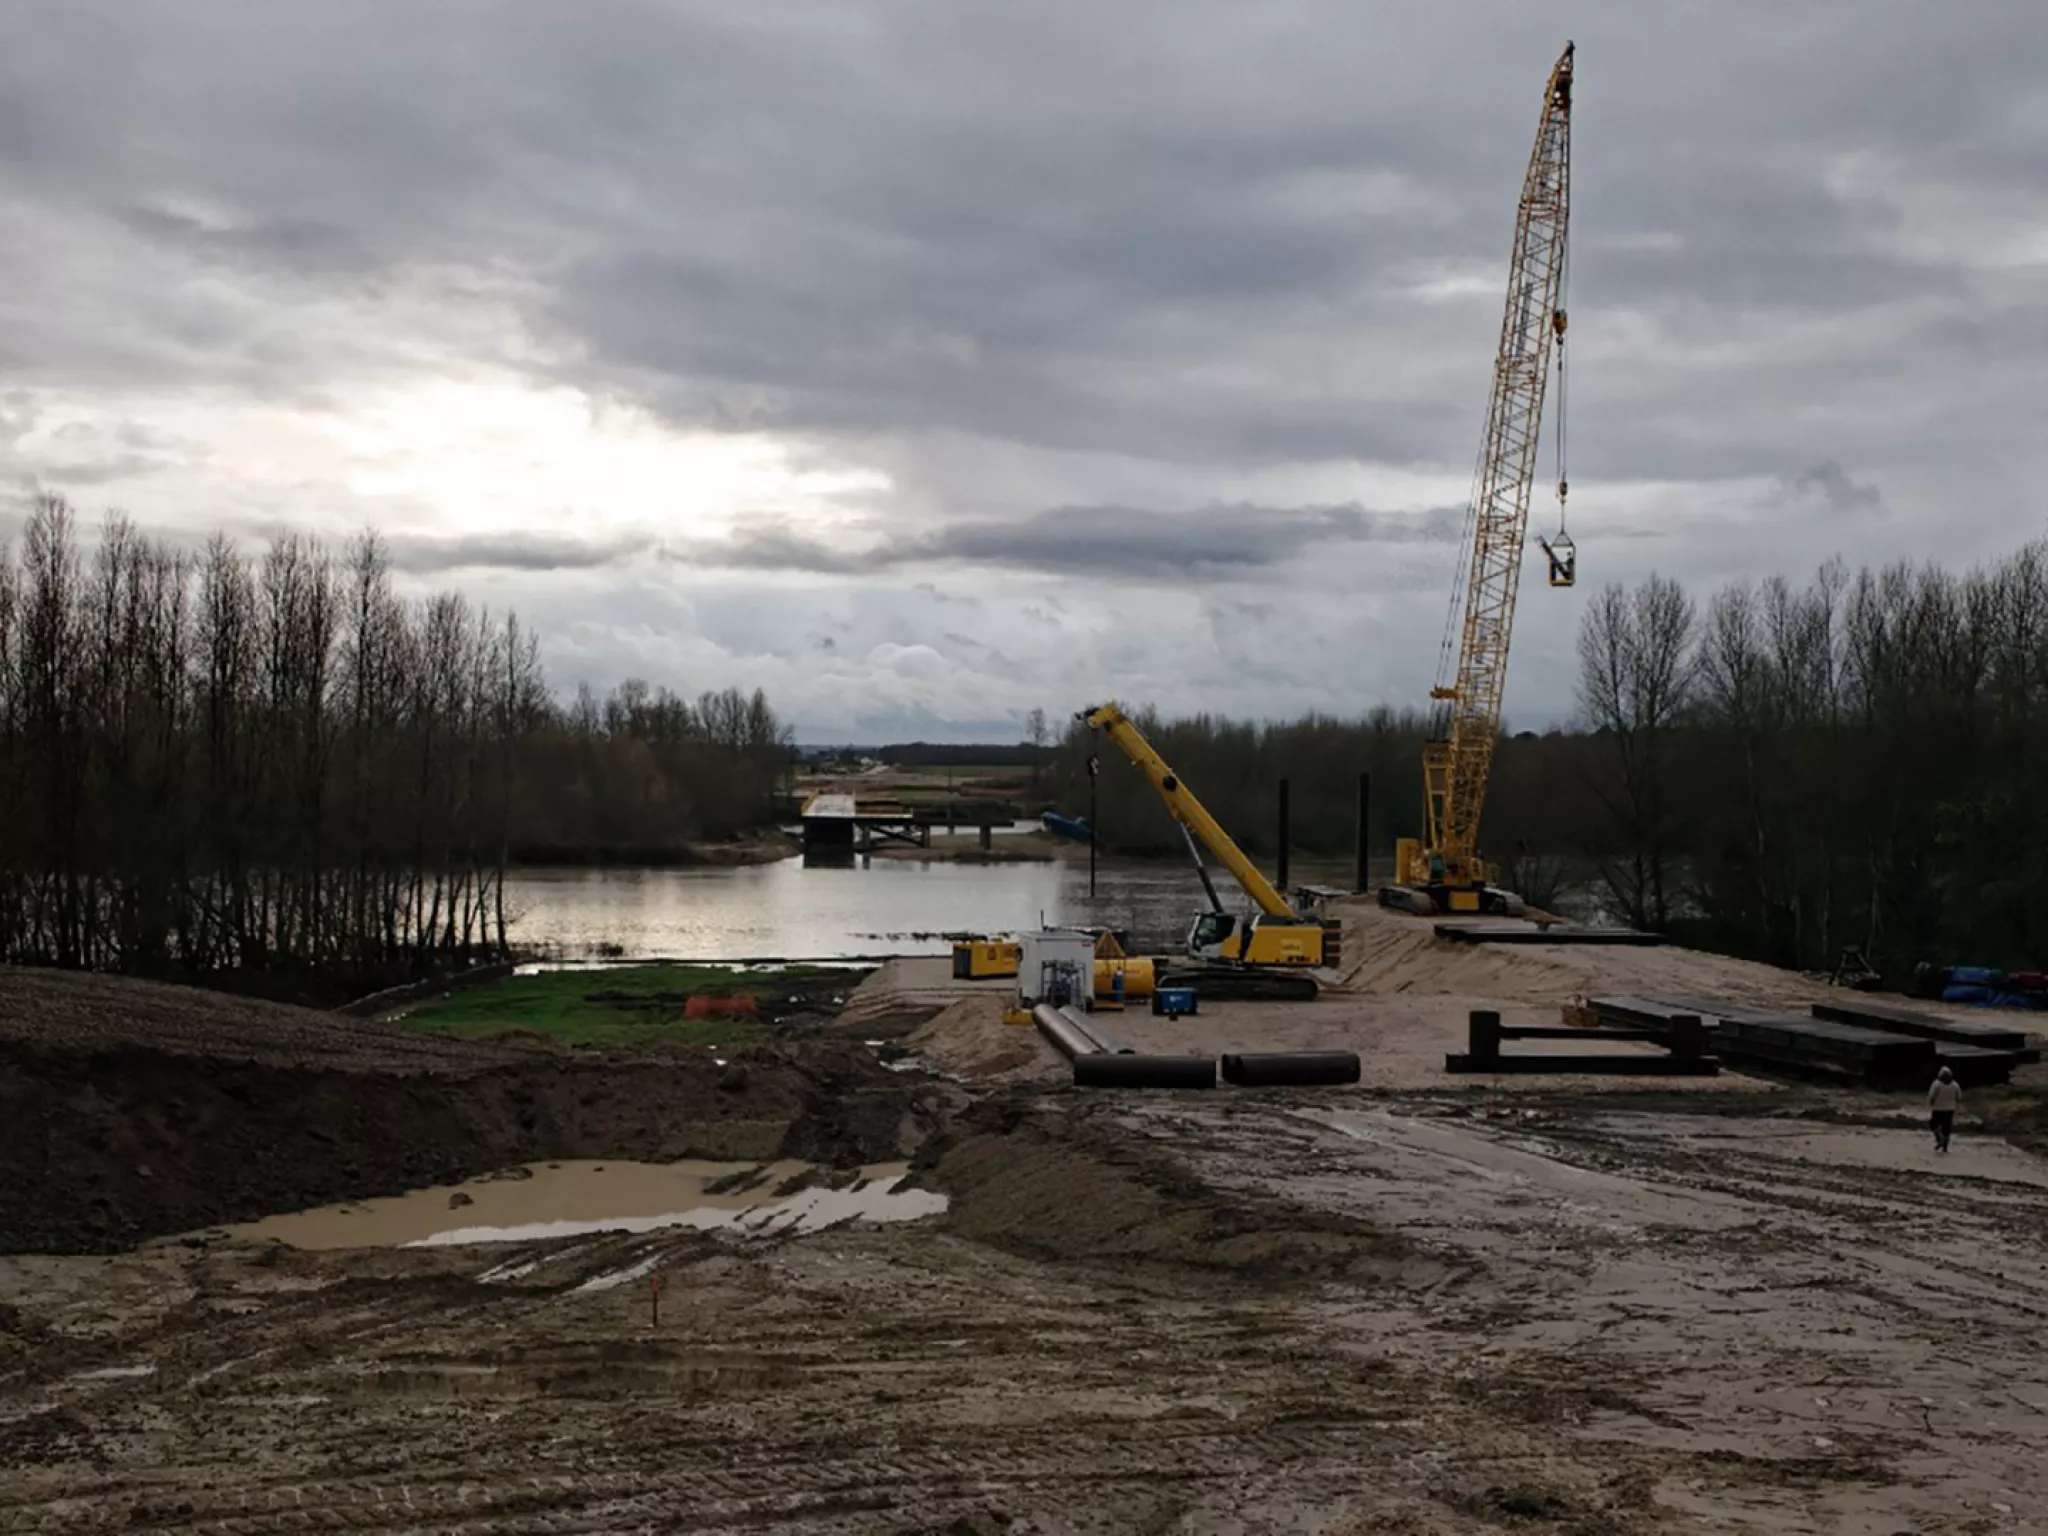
[(1364, 831), (1103, 1071), (1067, 1040), (1086, 1026), (1273, 1069)]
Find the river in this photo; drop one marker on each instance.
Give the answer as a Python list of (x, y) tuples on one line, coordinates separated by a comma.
[(880, 907)]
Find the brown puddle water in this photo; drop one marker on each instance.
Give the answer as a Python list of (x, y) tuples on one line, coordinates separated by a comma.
[(571, 1199)]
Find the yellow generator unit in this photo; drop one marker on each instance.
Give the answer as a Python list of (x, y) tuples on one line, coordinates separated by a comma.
[(978, 959)]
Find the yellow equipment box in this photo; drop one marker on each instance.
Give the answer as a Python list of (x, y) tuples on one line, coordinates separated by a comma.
[(975, 959)]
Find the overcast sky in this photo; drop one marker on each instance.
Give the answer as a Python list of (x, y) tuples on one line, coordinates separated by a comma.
[(925, 362)]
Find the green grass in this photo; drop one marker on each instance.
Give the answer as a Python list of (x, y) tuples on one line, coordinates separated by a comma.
[(561, 1005)]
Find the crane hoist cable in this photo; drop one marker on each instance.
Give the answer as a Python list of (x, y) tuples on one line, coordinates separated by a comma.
[(1561, 552)]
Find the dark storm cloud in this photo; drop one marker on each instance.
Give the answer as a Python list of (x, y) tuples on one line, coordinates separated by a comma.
[(1132, 542), (1049, 225), (1248, 248), (1111, 543)]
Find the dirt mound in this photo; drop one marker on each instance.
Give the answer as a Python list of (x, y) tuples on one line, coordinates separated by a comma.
[(1394, 952), (172, 1111), (969, 1039), (72, 1012), (1070, 1185)]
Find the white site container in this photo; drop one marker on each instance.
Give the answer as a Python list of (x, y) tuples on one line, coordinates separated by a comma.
[(1051, 957)]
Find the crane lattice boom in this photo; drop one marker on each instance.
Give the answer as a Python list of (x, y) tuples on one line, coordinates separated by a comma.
[(1457, 766)]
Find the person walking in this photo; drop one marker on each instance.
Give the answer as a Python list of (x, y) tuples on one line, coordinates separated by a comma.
[(1943, 1100)]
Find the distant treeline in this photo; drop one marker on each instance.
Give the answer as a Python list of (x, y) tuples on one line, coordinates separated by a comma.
[(1234, 767), (1862, 761), (1783, 773), (275, 769)]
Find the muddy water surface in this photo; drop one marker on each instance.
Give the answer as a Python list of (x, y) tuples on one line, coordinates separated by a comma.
[(569, 1199), (877, 907)]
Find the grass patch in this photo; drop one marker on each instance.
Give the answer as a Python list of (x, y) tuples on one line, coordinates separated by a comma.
[(626, 1005)]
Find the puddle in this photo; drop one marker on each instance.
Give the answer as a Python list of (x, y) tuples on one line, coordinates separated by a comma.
[(575, 1199)]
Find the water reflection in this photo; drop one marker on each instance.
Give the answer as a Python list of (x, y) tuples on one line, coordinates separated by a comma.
[(575, 1199), (849, 910)]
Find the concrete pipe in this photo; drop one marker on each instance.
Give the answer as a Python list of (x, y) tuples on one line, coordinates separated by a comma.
[(1281, 1069), (1088, 1027), (1059, 1029), (1145, 1071)]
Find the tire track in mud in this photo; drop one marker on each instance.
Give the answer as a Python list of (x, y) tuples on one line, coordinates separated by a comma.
[(1042, 1463)]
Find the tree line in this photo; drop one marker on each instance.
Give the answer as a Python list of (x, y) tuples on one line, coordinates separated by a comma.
[(1781, 771), (1789, 771), (277, 771)]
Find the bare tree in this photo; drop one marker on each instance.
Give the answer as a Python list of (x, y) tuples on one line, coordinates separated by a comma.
[(1635, 675)]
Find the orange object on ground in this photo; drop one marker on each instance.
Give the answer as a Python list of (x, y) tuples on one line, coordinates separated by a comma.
[(702, 1007)]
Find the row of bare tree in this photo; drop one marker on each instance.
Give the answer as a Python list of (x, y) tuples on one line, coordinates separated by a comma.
[(1859, 762), (221, 766), (1781, 772)]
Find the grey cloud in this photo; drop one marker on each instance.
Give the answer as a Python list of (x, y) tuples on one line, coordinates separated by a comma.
[(305, 246), (421, 555), (1186, 239), (1132, 542), (1106, 542), (1832, 484)]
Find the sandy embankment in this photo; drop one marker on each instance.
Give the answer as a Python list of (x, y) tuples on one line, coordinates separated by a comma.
[(1402, 1001)]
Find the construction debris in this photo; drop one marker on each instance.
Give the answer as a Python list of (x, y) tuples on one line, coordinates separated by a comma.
[(1683, 1038), (1869, 1043)]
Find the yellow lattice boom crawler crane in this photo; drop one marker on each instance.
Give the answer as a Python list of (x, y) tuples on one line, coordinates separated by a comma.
[(1443, 871)]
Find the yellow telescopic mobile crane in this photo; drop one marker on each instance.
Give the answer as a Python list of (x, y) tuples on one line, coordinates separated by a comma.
[(1264, 954), (1443, 872)]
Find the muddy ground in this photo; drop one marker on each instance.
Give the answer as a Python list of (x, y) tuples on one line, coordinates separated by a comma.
[(1418, 1306), (129, 1110)]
